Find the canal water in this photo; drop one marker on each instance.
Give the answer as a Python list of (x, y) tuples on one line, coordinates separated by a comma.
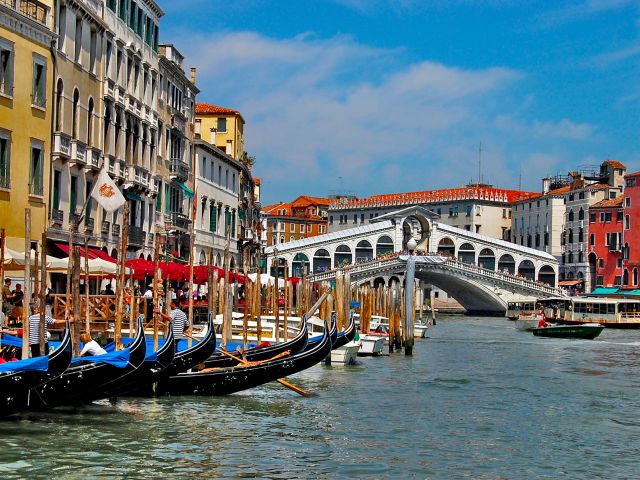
[(478, 399)]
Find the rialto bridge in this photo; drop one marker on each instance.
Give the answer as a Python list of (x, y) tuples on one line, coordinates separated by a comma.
[(482, 273)]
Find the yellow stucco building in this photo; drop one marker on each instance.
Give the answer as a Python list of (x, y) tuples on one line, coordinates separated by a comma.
[(222, 127), (26, 75)]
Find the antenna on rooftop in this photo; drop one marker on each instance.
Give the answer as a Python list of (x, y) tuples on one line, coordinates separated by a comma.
[(520, 178), (480, 163)]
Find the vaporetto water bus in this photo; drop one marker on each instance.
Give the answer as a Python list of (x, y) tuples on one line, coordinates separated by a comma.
[(611, 312)]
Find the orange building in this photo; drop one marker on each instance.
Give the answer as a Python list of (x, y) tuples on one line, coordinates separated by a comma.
[(303, 218)]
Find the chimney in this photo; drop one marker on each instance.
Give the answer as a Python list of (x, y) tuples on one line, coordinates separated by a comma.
[(193, 75), (546, 185)]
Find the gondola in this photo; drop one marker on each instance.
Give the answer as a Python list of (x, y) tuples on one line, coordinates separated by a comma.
[(16, 378), (91, 378), (333, 334), (154, 364), (197, 354), (345, 336), (224, 381), (296, 344)]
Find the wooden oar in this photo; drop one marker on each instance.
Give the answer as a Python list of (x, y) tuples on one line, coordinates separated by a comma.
[(298, 390)]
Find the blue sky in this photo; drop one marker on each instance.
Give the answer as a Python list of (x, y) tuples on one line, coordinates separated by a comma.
[(378, 96)]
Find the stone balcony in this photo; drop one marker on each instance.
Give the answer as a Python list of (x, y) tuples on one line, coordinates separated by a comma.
[(78, 152), (61, 144)]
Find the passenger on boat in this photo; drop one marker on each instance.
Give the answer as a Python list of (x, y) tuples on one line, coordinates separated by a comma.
[(34, 331), (91, 347), (543, 323)]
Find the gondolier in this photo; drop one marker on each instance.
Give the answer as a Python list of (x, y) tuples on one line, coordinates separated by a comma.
[(34, 331), (179, 321)]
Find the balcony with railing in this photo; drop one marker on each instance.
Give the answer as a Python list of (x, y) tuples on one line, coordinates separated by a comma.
[(180, 220), (31, 8), (139, 176), (78, 152), (93, 158), (179, 169), (61, 144), (136, 236), (89, 224), (106, 228), (115, 229), (57, 216)]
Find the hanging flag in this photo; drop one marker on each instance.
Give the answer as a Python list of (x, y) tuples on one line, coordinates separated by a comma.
[(107, 193), (195, 207)]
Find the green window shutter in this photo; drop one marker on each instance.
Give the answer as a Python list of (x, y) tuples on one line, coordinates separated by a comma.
[(159, 198), (167, 206), (233, 224)]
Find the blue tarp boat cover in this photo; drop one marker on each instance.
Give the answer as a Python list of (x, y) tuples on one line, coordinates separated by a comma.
[(118, 359), (38, 363), (11, 341), (182, 345)]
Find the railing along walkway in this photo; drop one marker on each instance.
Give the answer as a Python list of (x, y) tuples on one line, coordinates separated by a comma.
[(396, 263)]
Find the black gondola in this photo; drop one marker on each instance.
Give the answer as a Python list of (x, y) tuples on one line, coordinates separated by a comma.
[(197, 354), (15, 385), (348, 335), (88, 380), (333, 335), (296, 344), (154, 364), (224, 381)]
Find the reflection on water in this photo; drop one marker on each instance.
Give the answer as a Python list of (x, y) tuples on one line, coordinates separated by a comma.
[(478, 399)]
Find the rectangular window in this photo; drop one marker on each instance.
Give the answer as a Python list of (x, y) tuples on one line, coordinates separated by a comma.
[(39, 90), (592, 239), (73, 197), (292, 227), (592, 218), (5, 159), (619, 216), (122, 11), (627, 201), (607, 217), (57, 185), (36, 171), (78, 44), (6, 67), (93, 49), (87, 210), (302, 228), (213, 217), (159, 195), (222, 125), (627, 222), (111, 5)]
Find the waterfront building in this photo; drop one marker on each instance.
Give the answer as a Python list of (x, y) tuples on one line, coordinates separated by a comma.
[(538, 222), (249, 219), (217, 185), (222, 127), (130, 116), (305, 217), (605, 244), (26, 78), (478, 208), (173, 181), (77, 143), (589, 185), (631, 229)]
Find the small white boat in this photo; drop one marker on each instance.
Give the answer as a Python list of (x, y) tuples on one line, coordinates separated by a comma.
[(529, 320), (371, 345), (420, 330), (345, 355)]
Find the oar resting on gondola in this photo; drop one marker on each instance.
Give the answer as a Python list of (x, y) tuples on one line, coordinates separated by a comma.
[(296, 344), (16, 378), (223, 381), (182, 361), (91, 378)]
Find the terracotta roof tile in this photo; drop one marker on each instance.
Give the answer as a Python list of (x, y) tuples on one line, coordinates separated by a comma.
[(615, 164), (608, 203), (207, 108)]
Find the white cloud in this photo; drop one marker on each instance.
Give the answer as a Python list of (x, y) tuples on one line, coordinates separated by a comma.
[(319, 109)]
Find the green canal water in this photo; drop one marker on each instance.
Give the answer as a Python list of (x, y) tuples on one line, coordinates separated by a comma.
[(478, 400)]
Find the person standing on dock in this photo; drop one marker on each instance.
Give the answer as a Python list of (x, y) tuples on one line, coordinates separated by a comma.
[(179, 321)]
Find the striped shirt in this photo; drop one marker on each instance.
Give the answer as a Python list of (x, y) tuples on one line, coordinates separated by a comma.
[(179, 323), (34, 328)]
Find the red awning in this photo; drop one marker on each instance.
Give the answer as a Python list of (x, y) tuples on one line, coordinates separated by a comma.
[(93, 252)]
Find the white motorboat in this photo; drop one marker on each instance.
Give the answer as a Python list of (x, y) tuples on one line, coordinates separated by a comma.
[(529, 320), (371, 345), (345, 355)]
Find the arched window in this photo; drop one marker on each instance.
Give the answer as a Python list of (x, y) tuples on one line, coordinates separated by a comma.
[(384, 245), (364, 251), (321, 261), (487, 259), (571, 215), (90, 123), (59, 98), (581, 214), (467, 253), (342, 256), (74, 119), (106, 143)]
